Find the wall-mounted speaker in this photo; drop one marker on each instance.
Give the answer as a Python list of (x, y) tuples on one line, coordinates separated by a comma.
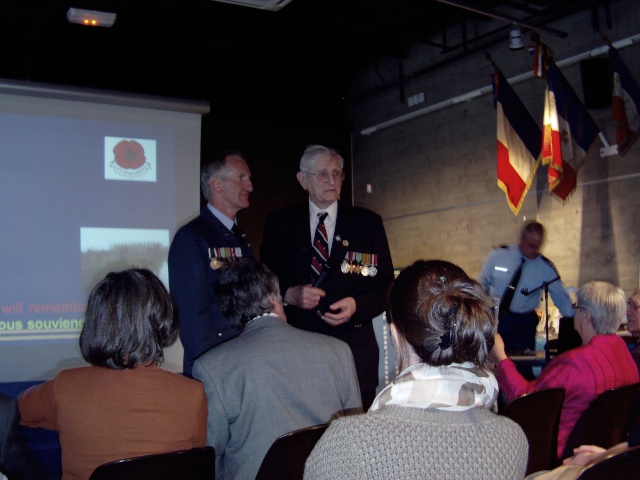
[(596, 82)]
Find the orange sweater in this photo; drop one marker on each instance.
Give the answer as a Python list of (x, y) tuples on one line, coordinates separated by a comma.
[(103, 414)]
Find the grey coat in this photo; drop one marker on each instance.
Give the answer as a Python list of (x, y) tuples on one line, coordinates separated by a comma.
[(270, 380)]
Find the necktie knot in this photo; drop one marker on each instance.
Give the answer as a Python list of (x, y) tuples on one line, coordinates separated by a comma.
[(322, 216), (236, 230)]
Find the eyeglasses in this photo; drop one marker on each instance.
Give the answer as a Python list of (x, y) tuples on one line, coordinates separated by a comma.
[(323, 176), (577, 307), (631, 305)]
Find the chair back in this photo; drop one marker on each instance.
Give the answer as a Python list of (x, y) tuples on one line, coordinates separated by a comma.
[(619, 466), (194, 464), (538, 414), (604, 422), (287, 455)]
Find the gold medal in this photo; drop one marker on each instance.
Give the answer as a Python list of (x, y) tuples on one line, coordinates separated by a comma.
[(215, 263)]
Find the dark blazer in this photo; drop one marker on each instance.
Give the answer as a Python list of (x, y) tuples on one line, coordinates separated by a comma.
[(17, 460), (286, 249), (191, 278)]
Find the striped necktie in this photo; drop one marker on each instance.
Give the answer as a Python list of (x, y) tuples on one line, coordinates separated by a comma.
[(320, 252)]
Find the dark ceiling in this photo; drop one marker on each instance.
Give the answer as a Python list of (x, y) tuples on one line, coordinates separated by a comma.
[(243, 60)]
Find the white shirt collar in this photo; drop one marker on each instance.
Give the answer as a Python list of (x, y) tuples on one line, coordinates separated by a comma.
[(332, 210), (226, 221)]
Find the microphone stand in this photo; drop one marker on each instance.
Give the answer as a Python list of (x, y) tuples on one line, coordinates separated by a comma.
[(545, 287)]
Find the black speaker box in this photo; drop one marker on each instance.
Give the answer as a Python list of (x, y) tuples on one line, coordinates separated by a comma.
[(596, 82)]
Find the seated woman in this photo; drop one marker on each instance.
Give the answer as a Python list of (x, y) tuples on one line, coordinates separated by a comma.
[(435, 420), (601, 363), (123, 404)]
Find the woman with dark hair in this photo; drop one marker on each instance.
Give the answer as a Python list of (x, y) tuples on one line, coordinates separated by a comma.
[(435, 420), (122, 405)]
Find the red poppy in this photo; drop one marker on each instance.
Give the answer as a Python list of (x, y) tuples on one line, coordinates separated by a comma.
[(129, 154)]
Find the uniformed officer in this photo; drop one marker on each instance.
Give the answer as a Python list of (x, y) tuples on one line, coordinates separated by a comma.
[(518, 275)]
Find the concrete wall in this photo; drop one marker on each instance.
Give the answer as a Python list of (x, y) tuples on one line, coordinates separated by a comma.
[(433, 178)]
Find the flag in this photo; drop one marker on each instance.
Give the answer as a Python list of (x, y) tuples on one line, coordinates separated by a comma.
[(625, 104), (568, 133), (519, 143), (541, 59)]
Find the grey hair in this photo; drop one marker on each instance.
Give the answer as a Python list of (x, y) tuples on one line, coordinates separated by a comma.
[(244, 290), (312, 152), (216, 166), (606, 303)]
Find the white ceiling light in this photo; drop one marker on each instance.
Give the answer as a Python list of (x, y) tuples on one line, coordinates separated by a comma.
[(515, 39), (92, 18)]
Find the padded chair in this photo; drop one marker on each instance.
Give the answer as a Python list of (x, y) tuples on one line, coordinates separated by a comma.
[(193, 464), (619, 466), (604, 422), (538, 414), (287, 455)]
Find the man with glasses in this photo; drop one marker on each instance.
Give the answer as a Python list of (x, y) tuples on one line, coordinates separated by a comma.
[(333, 262), (517, 276)]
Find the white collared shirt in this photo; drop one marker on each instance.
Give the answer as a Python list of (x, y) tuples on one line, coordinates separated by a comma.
[(329, 222), (226, 221)]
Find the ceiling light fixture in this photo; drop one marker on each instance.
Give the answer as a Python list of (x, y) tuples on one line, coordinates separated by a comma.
[(92, 18), (515, 39)]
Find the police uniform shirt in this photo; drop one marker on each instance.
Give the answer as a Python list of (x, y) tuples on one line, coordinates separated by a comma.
[(500, 267)]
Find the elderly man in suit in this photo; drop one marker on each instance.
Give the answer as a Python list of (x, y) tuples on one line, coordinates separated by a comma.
[(333, 262), (201, 246), (272, 378)]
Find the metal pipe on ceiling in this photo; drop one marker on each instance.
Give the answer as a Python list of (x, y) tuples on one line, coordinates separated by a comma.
[(506, 18), (625, 42)]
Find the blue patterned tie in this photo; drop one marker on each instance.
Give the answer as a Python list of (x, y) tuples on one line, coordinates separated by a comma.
[(320, 248)]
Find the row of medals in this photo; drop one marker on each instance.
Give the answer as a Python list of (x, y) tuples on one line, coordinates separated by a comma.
[(364, 270)]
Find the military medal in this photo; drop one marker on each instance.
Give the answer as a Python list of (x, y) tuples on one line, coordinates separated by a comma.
[(365, 271), (344, 267)]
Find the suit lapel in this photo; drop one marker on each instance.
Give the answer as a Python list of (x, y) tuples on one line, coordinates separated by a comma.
[(338, 247)]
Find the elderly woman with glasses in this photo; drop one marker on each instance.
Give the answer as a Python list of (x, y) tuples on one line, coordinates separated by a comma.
[(602, 362), (435, 420)]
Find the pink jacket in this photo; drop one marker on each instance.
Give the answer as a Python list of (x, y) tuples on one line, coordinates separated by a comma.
[(584, 373)]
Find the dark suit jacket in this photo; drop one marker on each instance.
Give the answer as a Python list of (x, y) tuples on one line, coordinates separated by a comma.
[(17, 460), (191, 278), (286, 249)]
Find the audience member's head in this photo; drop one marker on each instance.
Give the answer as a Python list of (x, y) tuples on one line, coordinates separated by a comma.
[(633, 313), (130, 318), (440, 316), (247, 289), (601, 304)]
